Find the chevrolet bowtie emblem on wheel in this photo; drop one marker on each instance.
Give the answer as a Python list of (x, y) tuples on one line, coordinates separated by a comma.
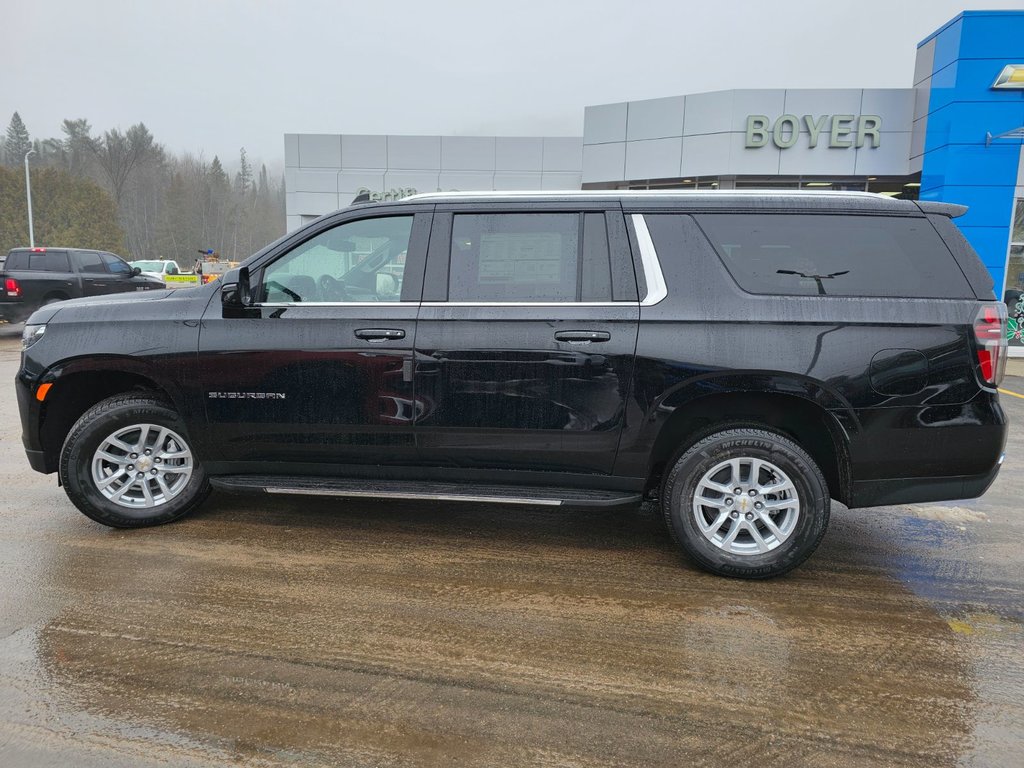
[(1012, 76)]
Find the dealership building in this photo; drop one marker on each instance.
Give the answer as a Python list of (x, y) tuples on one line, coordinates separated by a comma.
[(954, 134)]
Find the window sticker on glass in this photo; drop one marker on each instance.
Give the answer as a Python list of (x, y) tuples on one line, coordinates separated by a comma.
[(521, 257), (514, 257)]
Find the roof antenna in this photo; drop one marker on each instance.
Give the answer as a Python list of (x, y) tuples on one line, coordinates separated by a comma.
[(362, 197)]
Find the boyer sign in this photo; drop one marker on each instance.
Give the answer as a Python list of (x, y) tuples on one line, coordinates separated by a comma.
[(840, 131)]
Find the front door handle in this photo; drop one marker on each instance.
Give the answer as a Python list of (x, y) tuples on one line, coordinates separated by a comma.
[(380, 334), (582, 337)]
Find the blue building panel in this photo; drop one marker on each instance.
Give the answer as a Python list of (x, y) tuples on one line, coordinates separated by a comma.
[(986, 207), (991, 240), (958, 86), (947, 44), (959, 164), (970, 165)]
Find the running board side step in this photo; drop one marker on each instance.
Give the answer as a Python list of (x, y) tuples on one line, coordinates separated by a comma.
[(425, 491)]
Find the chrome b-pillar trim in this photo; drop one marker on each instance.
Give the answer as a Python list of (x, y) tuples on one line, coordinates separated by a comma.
[(656, 287)]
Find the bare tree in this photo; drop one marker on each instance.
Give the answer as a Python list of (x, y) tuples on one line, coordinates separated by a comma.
[(119, 154)]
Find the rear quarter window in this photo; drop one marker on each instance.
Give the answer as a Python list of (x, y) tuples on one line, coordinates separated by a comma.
[(16, 261), (836, 255)]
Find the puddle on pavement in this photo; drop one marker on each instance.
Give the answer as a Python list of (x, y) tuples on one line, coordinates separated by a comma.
[(369, 634)]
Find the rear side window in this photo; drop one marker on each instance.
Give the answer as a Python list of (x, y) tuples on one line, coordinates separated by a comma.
[(514, 257), (819, 255), (529, 257), (49, 261)]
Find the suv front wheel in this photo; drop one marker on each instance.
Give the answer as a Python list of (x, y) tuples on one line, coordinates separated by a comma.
[(746, 502), (128, 463)]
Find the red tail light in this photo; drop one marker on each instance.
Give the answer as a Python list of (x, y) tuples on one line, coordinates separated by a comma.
[(990, 335), (12, 288)]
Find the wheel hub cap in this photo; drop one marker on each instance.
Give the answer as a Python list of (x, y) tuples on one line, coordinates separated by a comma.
[(746, 506), (142, 466)]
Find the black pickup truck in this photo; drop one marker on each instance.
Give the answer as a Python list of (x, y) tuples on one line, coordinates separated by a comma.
[(33, 277)]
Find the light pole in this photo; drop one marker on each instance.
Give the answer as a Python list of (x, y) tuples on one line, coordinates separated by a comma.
[(28, 195)]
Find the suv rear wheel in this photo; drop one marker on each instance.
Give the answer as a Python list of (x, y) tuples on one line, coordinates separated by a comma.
[(746, 502), (127, 463)]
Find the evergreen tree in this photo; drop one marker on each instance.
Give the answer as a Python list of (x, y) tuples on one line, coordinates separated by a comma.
[(243, 179), (218, 178), (80, 147), (65, 211), (17, 141), (264, 185)]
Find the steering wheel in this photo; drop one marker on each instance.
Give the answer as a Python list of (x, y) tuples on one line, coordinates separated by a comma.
[(331, 289)]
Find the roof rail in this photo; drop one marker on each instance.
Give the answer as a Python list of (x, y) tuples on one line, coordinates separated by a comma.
[(599, 193)]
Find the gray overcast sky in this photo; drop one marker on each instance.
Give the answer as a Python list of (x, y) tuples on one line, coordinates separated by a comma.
[(214, 75)]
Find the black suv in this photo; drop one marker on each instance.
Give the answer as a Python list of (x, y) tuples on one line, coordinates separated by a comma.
[(34, 277), (742, 359)]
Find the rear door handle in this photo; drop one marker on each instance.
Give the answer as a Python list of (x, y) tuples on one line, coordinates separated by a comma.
[(582, 337), (380, 334)]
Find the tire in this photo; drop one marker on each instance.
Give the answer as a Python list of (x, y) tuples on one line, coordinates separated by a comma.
[(52, 300), (117, 425), (798, 510)]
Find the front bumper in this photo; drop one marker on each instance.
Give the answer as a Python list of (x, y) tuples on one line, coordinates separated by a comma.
[(30, 411), (37, 460)]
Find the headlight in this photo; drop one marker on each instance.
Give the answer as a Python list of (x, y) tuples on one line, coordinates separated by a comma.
[(31, 335)]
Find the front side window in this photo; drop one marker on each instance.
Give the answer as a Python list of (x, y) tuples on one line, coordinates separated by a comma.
[(115, 265), (90, 263), (353, 262)]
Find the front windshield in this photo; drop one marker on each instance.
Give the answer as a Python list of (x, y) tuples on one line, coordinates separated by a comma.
[(149, 266)]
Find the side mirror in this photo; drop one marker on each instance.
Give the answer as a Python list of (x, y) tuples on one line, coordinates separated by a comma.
[(236, 291), (244, 288), (387, 286), (136, 271)]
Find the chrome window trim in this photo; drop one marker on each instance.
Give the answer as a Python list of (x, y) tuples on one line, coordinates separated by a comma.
[(657, 290), (289, 304), (528, 303), (280, 304)]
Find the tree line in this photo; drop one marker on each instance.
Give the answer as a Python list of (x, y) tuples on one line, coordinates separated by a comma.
[(124, 192)]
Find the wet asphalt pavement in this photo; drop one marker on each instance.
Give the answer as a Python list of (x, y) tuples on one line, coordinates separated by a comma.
[(355, 633)]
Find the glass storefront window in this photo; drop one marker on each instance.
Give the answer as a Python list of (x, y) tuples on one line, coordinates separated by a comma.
[(1014, 294)]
